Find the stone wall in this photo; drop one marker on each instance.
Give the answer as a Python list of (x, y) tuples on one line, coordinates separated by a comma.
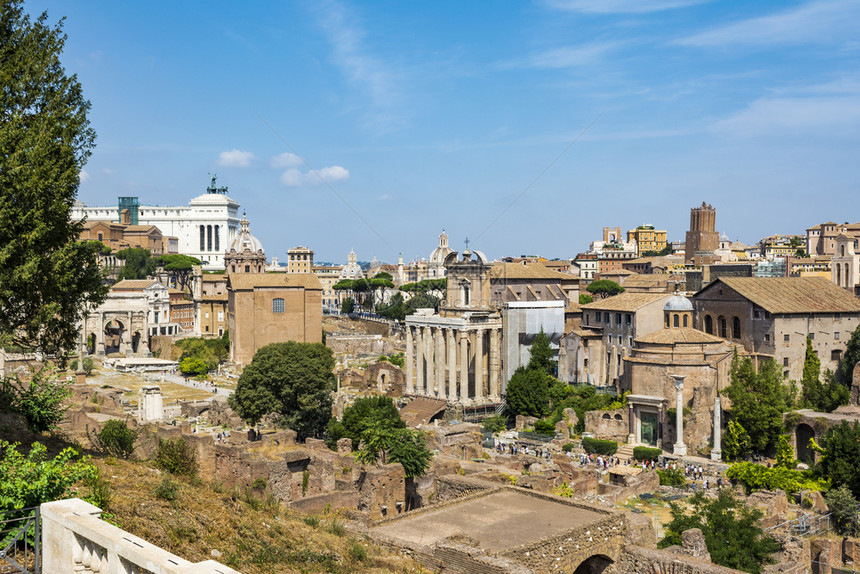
[(651, 561), (608, 425)]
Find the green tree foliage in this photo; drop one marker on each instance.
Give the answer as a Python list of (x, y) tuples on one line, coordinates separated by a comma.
[(494, 424), (347, 306), (385, 443), (584, 299), (671, 477), (598, 446), (421, 301), (179, 268), (838, 460), (544, 427), (176, 456), (850, 358), (759, 477), (88, 366), (193, 366), (604, 288), (812, 391), (528, 393), (759, 398), (211, 351), (291, 380), (736, 441), (541, 355), (27, 481), (730, 527), (785, 454), (138, 263), (115, 438), (39, 398), (434, 287), (47, 277), (366, 411), (845, 510), (394, 358), (395, 309)]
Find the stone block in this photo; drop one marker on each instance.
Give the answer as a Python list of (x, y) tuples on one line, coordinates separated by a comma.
[(813, 500), (693, 542), (561, 428), (344, 446)]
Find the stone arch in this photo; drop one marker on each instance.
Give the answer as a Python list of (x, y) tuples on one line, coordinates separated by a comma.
[(709, 325), (607, 416), (802, 434), (594, 564), (91, 344), (114, 330), (618, 417), (685, 320)]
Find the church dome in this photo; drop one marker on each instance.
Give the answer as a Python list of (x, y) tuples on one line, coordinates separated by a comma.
[(244, 240), (441, 252), (678, 303)]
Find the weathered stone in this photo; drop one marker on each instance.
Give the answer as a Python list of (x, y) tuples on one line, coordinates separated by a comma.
[(344, 445), (693, 542)]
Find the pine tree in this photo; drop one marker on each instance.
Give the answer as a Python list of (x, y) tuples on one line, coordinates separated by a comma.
[(47, 277), (812, 391)]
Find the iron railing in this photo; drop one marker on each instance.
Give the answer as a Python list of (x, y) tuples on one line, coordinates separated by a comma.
[(20, 539)]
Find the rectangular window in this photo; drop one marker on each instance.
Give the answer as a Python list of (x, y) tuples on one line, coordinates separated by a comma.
[(277, 305), (812, 336), (767, 337), (786, 337), (606, 318), (755, 314), (836, 335), (785, 362), (220, 315), (629, 318), (836, 355), (618, 319), (598, 316)]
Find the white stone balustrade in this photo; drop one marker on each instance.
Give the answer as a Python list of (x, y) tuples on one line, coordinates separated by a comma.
[(75, 540)]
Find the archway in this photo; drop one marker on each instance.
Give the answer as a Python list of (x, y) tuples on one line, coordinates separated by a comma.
[(91, 344), (802, 434), (709, 325), (135, 341), (113, 336), (594, 565)]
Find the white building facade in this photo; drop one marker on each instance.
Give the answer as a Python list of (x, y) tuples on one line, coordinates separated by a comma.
[(205, 228)]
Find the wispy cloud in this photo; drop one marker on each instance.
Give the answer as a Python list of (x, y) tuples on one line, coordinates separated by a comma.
[(385, 197), (286, 159), (235, 158), (295, 178), (822, 21), (573, 56), (108, 171), (831, 110), (619, 6), (83, 176), (350, 52)]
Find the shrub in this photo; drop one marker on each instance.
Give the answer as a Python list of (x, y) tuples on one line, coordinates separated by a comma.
[(115, 439), (757, 477), (176, 457), (100, 494), (357, 553), (844, 508), (671, 477), (193, 366), (40, 399), (494, 424), (568, 446), (647, 453), (167, 490), (597, 446), (543, 426)]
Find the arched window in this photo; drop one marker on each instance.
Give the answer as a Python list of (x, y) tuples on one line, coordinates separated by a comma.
[(842, 250), (465, 292), (721, 321), (736, 328), (277, 305), (709, 325), (675, 321), (685, 320)]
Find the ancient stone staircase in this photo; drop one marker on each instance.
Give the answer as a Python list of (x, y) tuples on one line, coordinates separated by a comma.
[(421, 410), (625, 452)]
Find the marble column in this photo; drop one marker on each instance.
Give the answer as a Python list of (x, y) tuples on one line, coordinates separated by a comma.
[(464, 365), (495, 353), (430, 382), (419, 361), (717, 451), (440, 363), (100, 336), (631, 424), (479, 365), (680, 449), (452, 365), (410, 362)]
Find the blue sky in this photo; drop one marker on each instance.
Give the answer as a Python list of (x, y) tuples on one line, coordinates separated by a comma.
[(524, 126)]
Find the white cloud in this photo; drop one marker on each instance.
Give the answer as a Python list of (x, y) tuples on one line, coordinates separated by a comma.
[(572, 56), (295, 178), (619, 6), (385, 197), (831, 116), (286, 159), (235, 158), (108, 171), (83, 176), (814, 22)]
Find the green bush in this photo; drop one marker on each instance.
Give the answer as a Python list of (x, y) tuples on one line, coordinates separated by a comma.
[(115, 439), (757, 477), (167, 490), (494, 424), (597, 446), (176, 457), (568, 446), (543, 426), (193, 366), (88, 365), (647, 453), (671, 477)]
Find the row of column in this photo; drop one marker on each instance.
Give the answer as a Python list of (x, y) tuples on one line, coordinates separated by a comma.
[(438, 361)]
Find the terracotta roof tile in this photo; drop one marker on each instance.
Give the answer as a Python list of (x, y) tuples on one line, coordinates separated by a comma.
[(528, 271), (792, 295), (626, 301), (673, 336), (251, 280)]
